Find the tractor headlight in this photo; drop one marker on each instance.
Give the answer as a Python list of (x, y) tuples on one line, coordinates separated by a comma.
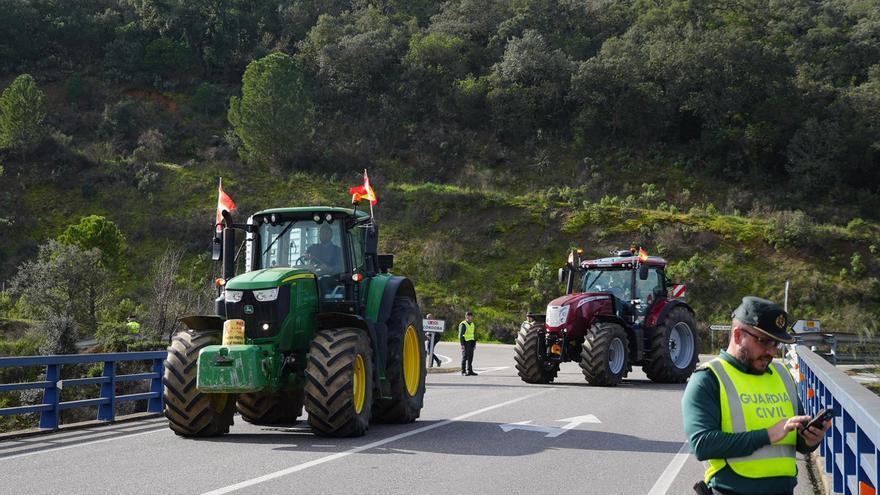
[(265, 295), (557, 315), (232, 296)]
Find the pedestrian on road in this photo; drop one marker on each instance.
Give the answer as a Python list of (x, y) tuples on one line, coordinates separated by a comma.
[(434, 357), (132, 325), (741, 410), (468, 338)]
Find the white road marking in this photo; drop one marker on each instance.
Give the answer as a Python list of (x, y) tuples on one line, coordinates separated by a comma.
[(551, 431), (53, 449), (665, 480), (443, 359), (490, 370), (372, 445)]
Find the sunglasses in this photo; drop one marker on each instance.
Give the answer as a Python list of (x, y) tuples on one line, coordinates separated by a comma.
[(764, 341)]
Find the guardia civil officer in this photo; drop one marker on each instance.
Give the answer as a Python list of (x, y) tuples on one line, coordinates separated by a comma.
[(468, 338), (741, 410)]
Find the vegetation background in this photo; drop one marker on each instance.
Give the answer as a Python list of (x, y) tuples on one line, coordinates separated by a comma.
[(740, 140)]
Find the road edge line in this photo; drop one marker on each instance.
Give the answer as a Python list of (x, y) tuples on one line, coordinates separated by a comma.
[(661, 486)]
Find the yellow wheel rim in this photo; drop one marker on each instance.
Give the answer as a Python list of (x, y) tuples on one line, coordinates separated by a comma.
[(412, 366), (360, 383)]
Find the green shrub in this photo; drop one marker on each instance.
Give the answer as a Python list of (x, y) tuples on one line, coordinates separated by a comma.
[(788, 228)]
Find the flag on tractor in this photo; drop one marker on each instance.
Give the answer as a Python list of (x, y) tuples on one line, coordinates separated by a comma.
[(224, 203), (364, 192), (643, 255)]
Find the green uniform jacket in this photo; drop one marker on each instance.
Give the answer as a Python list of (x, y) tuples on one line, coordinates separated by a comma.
[(701, 409)]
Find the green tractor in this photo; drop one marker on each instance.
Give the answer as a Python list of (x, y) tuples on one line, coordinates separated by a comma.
[(316, 320)]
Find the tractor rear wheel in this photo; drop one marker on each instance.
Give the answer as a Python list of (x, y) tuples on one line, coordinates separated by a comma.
[(531, 355), (673, 352), (604, 355), (190, 412), (405, 367), (339, 382), (261, 408)]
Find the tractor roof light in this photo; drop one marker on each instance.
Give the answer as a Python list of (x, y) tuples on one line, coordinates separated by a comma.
[(219, 282), (316, 218), (328, 218)]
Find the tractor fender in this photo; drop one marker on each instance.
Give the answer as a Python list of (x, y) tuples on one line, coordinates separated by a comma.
[(634, 334), (203, 323), (394, 287), (661, 310), (340, 320)]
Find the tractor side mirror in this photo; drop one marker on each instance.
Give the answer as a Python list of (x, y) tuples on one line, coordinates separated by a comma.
[(386, 262), (217, 249), (563, 274), (643, 272)]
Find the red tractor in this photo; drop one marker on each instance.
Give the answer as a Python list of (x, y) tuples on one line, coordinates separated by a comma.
[(616, 313)]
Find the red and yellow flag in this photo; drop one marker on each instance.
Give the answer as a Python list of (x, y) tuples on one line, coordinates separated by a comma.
[(364, 192), (224, 203), (643, 255)]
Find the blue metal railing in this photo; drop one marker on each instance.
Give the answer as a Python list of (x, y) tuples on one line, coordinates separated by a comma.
[(852, 446), (51, 407)]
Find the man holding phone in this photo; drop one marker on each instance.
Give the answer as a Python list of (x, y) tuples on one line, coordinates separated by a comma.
[(741, 410)]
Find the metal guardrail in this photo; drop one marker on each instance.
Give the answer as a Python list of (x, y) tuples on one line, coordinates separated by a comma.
[(50, 409), (834, 340), (851, 448)]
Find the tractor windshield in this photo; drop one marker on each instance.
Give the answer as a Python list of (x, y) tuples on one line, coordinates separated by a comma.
[(306, 243), (617, 282)]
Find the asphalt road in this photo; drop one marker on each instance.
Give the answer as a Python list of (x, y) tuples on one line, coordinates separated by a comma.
[(488, 434)]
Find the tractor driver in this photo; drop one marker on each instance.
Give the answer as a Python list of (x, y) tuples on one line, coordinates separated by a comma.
[(325, 255)]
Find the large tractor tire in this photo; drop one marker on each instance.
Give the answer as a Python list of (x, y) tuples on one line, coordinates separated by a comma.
[(405, 366), (339, 382), (260, 408), (190, 412), (605, 355), (673, 352), (531, 355)]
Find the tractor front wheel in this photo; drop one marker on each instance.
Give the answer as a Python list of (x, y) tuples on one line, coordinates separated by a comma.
[(673, 354), (339, 382), (190, 412), (531, 355), (405, 366), (604, 355), (275, 408)]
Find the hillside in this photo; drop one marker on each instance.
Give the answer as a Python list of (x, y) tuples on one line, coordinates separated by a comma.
[(738, 140)]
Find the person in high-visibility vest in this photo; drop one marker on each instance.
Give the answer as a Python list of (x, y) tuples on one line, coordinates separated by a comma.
[(468, 339), (741, 410), (132, 325)]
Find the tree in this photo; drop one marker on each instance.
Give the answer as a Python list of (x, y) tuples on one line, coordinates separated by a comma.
[(64, 281), (22, 112), (274, 117), (97, 232)]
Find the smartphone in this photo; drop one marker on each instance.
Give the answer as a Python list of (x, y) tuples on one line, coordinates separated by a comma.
[(820, 419)]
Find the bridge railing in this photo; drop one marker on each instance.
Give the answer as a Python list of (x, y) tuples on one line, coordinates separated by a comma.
[(51, 406), (851, 449)]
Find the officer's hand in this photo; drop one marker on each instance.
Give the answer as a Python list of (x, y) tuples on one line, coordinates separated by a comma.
[(778, 431), (815, 434)]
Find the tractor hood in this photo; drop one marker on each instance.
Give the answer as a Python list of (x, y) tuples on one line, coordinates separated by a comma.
[(267, 278), (576, 297)]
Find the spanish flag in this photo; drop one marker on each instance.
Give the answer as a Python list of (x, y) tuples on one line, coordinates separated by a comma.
[(224, 203), (364, 192), (643, 255)]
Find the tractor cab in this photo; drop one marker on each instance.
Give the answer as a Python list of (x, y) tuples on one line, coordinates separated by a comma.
[(337, 245), (635, 285)]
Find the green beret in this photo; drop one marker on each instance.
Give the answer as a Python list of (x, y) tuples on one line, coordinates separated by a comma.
[(766, 316)]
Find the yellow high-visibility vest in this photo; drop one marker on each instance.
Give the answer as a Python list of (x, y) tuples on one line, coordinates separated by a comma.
[(468, 330), (753, 402)]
